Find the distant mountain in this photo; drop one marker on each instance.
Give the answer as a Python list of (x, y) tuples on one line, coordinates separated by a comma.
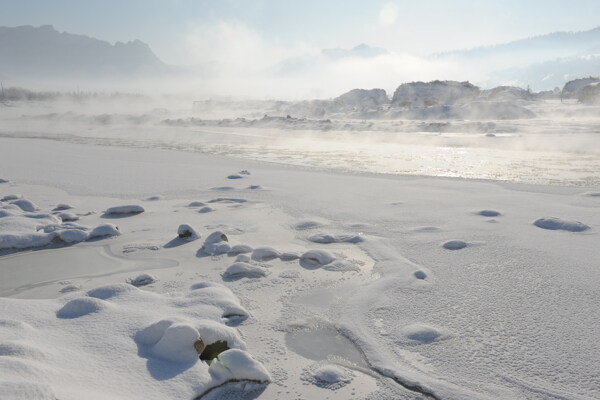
[(552, 45), (362, 51), (541, 62), (42, 53)]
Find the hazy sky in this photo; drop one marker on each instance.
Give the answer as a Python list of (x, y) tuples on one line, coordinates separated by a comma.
[(180, 31)]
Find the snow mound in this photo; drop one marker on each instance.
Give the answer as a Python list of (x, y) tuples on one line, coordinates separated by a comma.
[(420, 274), (316, 258), (25, 205), (70, 288), (227, 200), (553, 223), (196, 204), (170, 341), (289, 256), (142, 280), (327, 376), (106, 292), (235, 176), (240, 249), (124, 210), (454, 245), (205, 210), (326, 238), (141, 337), (418, 333), (154, 198), (68, 217), (236, 364), (307, 224), (10, 197), (104, 230), (265, 254), (62, 207), (81, 306), (21, 230), (489, 213), (239, 270), (216, 244), (243, 258), (186, 232)]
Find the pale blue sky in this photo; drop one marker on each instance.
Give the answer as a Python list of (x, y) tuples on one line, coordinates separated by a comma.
[(419, 27)]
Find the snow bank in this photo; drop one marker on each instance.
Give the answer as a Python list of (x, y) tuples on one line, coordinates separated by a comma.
[(20, 229), (114, 335)]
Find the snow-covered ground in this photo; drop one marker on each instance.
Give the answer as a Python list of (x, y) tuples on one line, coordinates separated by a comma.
[(327, 279)]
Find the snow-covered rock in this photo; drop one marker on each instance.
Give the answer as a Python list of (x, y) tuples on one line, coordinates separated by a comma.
[(216, 244), (142, 280), (188, 233)]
